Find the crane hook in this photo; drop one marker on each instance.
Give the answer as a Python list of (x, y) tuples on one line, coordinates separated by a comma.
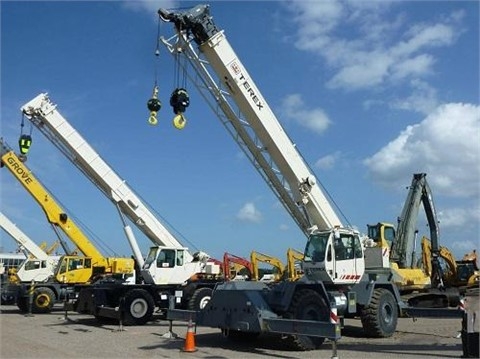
[(154, 105), (179, 100), (24, 142)]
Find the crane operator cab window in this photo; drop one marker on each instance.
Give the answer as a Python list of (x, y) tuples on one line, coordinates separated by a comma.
[(71, 264), (166, 258), (347, 247), (180, 258), (316, 247), (33, 264), (340, 249)]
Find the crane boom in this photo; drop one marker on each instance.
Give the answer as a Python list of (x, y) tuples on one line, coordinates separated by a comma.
[(55, 214), (44, 115), (230, 92), (21, 238), (237, 101)]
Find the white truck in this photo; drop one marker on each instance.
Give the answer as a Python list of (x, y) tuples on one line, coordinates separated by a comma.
[(169, 269), (340, 275)]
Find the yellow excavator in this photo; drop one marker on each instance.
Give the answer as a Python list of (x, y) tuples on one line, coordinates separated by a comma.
[(71, 269), (462, 274), (400, 249)]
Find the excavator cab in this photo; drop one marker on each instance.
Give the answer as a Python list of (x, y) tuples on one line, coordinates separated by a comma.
[(383, 234)]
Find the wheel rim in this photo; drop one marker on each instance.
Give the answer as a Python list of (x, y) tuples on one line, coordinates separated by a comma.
[(42, 301), (203, 302), (139, 308), (387, 314)]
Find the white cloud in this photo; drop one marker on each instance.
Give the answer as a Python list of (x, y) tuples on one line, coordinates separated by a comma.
[(416, 66), (459, 217), (150, 6), (284, 227), (444, 145), (294, 108), (380, 48), (423, 98), (249, 213), (328, 161)]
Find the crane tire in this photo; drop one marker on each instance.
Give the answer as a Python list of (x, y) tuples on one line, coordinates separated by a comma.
[(379, 318), (200, 298), (138, 307), (43, 300), (307, 304)]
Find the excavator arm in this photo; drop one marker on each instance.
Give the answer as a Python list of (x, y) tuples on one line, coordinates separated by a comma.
[(404, 245), (257, 257), (293, 258), (233, 263)]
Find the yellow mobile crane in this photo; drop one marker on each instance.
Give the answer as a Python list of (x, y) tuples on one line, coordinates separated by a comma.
[(72, 269)]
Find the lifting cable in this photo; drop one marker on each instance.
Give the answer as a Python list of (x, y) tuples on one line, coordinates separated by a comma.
[(154, 105), (179, 100)]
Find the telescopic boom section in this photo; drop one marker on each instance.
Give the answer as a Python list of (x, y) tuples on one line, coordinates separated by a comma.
[(55, 214), (237, 101), (21, 238), (44, 115)]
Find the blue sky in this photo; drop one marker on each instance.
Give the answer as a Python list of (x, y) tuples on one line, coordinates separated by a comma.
[(371, 92)]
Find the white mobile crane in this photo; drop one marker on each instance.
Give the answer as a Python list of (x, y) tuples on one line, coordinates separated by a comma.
[(169, 268), (38, 266), (334, 263), (339, 273)]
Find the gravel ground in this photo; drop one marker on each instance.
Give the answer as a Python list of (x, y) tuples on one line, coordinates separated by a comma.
[(51, 336)]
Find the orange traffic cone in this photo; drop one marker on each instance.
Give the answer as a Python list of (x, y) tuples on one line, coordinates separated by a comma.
[(190, 339)]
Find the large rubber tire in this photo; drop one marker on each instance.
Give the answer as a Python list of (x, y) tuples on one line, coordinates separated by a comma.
[(139, 307), (43, 300), (307, 305), (380, 317), (200, 298)]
